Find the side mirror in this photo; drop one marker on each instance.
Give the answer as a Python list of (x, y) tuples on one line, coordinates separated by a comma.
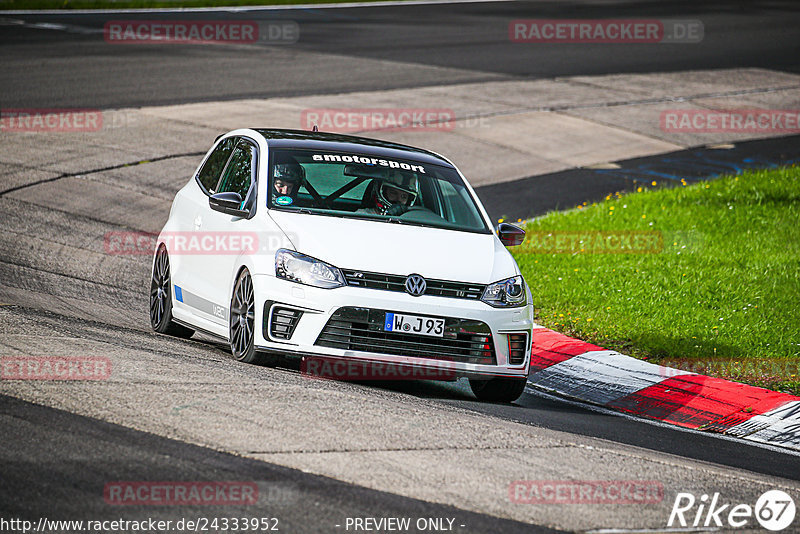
[(510, 235), (228, 203)]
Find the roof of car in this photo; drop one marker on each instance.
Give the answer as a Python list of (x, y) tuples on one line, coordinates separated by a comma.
[(280, 138)]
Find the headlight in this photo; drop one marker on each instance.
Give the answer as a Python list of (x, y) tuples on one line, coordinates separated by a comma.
[(507, 293), (303, 269)]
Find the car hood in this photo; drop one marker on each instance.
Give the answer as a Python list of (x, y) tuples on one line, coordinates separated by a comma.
[(391, 248)]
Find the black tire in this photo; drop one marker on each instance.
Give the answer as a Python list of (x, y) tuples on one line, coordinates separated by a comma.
[(241, 331), (498, 389), (161, 299)]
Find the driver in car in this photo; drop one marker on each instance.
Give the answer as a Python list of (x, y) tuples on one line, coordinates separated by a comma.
[(392, 196), (287, 176)]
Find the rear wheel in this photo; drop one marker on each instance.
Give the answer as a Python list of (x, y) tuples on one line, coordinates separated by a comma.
[(498, 389), (161, 298)]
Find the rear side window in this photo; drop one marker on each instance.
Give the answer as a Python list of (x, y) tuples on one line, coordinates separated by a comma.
[(212, 168), (238, 175)]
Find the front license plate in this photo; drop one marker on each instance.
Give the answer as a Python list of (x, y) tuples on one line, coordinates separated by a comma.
[(413, 324)]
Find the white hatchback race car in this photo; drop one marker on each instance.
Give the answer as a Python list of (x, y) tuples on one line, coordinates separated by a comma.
[(351, 250)]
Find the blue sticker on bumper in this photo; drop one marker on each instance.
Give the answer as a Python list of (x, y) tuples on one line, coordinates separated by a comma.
[(178, 294)]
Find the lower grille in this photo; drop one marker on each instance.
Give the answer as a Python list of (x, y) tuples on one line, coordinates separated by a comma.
[(283, 321), (361, 329), (517, 346)]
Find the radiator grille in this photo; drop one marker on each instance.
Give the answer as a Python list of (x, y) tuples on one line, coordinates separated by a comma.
[(394, 282)]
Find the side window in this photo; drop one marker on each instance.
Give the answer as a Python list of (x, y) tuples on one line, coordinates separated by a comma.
[(237, 176), (456, 202), (212, 168)]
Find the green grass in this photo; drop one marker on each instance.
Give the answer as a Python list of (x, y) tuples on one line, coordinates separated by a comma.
[(722, 297), (132, 4)]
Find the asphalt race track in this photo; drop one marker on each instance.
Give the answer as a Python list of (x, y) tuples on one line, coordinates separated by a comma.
[(95, 449), (537, 195), (319, 451), (344, 50)]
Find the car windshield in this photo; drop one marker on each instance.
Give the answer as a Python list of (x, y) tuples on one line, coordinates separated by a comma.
[(366, 187)]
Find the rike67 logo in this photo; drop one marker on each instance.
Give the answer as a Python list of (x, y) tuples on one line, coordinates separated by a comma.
[(774, 510)]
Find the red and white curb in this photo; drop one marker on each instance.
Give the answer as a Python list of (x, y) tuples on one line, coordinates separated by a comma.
[(579, 370)]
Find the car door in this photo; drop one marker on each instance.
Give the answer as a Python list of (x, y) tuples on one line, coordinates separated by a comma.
[(234, 236), (189, 272)]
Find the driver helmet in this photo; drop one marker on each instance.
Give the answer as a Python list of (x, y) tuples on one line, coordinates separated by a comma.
[(287, 175), (397, 188)]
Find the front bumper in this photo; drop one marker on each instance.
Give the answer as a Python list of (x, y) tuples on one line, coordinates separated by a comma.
[(475, 344)]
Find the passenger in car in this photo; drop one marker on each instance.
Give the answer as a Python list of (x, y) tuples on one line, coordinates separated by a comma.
[(287, 177)]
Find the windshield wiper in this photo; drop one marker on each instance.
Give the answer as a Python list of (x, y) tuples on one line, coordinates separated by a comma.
[(348, 215), (309, 211), (405, 222)]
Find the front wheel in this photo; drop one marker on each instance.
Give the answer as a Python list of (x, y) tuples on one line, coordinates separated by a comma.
[(242, 322), (243, 318), (498, 389)]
